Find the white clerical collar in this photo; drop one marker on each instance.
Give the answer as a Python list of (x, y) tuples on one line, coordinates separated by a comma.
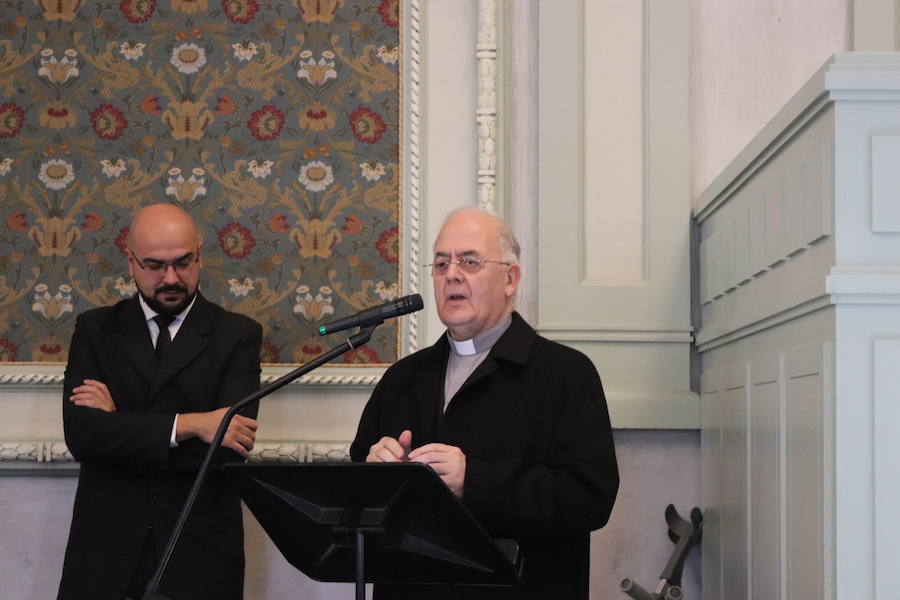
[(482, 342), (464, 348)]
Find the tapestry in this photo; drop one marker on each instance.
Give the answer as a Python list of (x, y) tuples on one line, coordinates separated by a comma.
[(275, 124)]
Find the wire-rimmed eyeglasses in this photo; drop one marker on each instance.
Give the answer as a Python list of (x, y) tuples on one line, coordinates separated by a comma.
[(158, 267), (467, 264)]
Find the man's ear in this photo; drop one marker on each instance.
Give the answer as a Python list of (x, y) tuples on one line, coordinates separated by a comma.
[(513, 276)]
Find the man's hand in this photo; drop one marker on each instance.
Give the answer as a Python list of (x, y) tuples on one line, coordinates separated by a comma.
[(239, 436), (388, 449), (448, 461), (93, 394)]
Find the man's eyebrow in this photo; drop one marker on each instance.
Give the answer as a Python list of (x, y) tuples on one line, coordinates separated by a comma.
[(187, 256), (466, 253)]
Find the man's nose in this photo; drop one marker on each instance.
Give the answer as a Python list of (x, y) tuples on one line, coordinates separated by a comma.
[(170, 275), (454, 273)]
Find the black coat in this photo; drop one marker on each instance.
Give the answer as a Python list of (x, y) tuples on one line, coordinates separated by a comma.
[(130, 479), (540, 462)]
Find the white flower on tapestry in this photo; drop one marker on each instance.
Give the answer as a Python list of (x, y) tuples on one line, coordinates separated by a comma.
[(240, 288), (125, 288), (245, 52), (389, 57), (188, 58), (112, 169), (317, 72), (132, 50), (387, 293), (5, 166), (52, 307), (312, 307), (185, 191), (58, 71), (316, 176), (56, 174), (372, 172), (260, 170)]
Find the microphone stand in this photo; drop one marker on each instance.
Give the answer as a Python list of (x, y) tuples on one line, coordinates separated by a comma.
[(354, 341)]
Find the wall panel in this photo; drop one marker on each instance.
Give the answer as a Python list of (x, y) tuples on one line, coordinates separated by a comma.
[(613, 241)]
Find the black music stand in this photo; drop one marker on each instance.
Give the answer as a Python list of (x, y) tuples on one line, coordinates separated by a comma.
[(375, 522)]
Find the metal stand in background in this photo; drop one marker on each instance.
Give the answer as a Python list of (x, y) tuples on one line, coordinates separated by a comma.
[(354, 341), (684, 534)]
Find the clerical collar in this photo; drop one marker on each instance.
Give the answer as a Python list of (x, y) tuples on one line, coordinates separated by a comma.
[(482, 342)]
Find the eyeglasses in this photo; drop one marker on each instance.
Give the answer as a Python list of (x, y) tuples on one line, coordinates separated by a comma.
[(467, 264), (158, 267)]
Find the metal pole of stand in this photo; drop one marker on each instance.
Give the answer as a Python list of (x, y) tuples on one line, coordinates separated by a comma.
[(360, 565)]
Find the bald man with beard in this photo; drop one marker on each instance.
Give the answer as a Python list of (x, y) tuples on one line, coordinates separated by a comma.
[(147, 383)]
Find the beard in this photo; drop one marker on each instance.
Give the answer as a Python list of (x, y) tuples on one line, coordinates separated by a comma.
[(164, 309)]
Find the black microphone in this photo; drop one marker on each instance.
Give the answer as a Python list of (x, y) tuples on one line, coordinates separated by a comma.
[(375, 315)]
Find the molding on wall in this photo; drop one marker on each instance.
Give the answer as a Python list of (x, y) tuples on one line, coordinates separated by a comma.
[(486, 112), (44, 456), (653, 409), (864, 285), (38, 379), (707, 342), (413, 102), (613, 333)]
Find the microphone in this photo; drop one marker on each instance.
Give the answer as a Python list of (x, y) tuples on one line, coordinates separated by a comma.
[(375, 315)]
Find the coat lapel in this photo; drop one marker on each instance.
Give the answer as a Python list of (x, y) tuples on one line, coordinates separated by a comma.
[(514, 346), (131, 336), (192, 338), (430, 391)]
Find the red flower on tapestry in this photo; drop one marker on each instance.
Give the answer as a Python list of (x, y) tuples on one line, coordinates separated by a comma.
[(12, 118), (225, 105), (122, 241), (265, 124), (367, 125), (352, 225), (278, 223), (150, 105), (92, 222), (390, 12), (108, 122), (362, 355), (388, 245), (49, 350), (240, 11), (17, 221), (8, 350), (137, 11), (268, 353), (235, 240)]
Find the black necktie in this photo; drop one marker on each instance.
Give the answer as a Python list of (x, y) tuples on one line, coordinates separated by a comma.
[(163, 340)]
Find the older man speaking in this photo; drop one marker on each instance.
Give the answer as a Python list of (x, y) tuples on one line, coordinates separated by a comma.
[(514, 424)]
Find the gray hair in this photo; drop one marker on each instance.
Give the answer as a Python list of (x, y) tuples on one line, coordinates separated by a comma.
[(509, 245)]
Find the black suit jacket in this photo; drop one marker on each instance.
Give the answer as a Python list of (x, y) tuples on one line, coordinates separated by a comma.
[(540, 462), (130, 480)]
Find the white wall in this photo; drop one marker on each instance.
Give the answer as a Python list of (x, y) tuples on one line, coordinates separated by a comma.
[(747, 60)]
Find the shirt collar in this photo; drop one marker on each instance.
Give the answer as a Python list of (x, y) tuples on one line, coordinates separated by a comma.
[(149, 313), (481, 342)]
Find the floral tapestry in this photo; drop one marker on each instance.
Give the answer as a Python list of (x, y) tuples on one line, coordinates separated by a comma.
[(275, 124)]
